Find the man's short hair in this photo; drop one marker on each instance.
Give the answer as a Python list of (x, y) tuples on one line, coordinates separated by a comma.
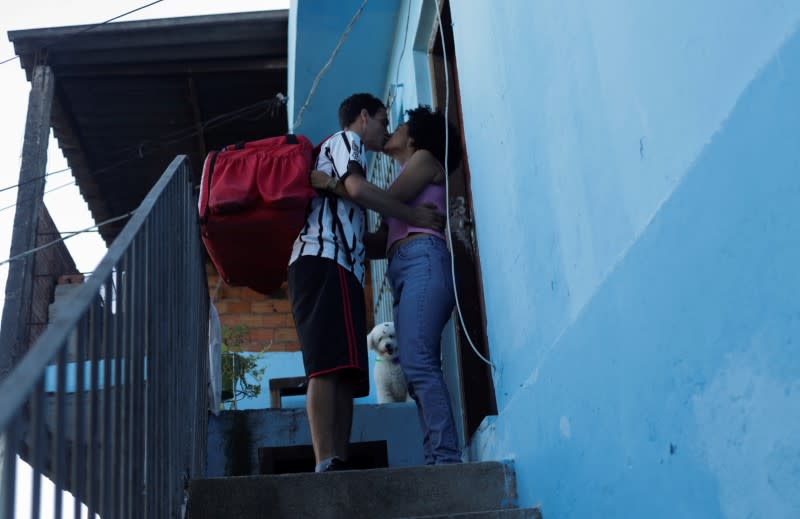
[(352, 106)]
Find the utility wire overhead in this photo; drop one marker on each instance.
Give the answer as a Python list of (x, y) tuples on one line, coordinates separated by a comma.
[(87, 29)]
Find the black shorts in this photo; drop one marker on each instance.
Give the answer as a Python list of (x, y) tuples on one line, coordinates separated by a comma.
[(330, 316)]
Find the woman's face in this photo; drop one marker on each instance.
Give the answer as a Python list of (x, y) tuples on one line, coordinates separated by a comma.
[(399, 141)]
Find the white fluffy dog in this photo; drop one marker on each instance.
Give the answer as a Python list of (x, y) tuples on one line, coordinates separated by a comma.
[(389, 378)]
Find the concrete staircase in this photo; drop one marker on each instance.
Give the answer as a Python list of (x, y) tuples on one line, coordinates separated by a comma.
[(469, 491)]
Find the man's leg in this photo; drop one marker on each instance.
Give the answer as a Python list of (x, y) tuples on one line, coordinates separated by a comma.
[(344, 417), (321, 405)]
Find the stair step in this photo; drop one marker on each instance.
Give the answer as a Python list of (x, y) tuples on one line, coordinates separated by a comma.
[(515, 513), (376, 493)]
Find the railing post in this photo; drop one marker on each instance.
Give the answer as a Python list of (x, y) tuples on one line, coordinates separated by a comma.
[(16, 312)]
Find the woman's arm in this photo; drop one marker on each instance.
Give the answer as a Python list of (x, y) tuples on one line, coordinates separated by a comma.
[(421, 169)]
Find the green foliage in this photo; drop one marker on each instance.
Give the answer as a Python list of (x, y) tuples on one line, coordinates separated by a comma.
[(241, 376)]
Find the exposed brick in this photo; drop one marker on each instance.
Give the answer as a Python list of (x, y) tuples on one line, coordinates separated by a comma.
[(285, 346), (257, 346), (230, 319), (276, 320), (234, 307), (271, 306), (263, 320), (262, 307), (251, 295), (262, 334), (285, 334)]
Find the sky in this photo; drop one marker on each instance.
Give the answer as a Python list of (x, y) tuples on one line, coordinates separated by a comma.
[(66, 205)]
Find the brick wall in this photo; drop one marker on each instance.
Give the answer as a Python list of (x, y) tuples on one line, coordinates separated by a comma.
[(268, 319)]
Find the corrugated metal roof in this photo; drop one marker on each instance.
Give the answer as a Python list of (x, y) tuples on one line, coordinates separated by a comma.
[(131, 95)]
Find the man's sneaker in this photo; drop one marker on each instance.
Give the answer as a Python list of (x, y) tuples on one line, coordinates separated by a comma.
[(332, 465)]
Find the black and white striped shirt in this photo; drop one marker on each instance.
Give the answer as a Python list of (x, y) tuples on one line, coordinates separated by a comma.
[(335, 227)]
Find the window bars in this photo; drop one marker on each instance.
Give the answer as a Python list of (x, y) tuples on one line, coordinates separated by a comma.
[(382, 173)]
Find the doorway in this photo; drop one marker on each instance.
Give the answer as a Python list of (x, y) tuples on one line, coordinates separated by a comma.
[(476, 385)]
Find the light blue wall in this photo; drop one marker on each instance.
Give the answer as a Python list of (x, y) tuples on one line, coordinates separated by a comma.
[(360, 66), (636, 182), (289, 364)]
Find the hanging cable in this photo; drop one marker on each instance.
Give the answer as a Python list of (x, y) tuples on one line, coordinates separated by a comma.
[(268, 105), (63, 238), (447, 185), (395, 85), (6, 208), (33, 179), (327, 64), (86, 29)]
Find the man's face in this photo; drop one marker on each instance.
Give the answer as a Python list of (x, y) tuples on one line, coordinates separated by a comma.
[(375, 133)]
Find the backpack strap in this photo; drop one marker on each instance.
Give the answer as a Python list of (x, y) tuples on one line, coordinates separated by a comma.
[(207, 212)]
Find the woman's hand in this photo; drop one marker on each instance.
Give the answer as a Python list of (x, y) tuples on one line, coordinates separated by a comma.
[(428, 216)]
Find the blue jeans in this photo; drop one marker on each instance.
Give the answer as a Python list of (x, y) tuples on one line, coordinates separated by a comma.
[(422, 286)]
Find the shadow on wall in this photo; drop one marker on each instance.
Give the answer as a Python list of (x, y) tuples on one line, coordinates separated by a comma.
[(675, 392)]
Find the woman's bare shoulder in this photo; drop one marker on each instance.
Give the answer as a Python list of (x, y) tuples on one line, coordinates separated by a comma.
[(424, 159)]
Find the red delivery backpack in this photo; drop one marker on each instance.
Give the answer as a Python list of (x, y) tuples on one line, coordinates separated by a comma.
[(253, 202)]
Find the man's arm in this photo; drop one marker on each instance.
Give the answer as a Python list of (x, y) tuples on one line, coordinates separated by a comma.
[(321, 181), (372, 197)]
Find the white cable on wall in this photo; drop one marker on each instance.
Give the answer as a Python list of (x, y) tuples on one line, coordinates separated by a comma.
[(447, 186), (299, 119)]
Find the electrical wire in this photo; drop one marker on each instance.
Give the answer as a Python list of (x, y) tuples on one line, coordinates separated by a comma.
[(6, 208), (211, 123), (269, 106), (87, 29), (299, 119), (447, 186), (63, 238), (34, 179)]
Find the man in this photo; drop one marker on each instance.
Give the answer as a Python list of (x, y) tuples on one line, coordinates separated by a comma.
[(326, 276)]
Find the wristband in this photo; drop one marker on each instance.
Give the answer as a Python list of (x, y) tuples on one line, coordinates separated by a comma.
[(332, 184)]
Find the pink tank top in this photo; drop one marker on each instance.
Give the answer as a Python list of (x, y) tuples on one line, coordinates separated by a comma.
[(398, 229)]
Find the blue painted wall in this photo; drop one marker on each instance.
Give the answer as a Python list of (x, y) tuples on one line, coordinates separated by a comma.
[(636, 180), (636, 184), (360, 65), (288, 364)]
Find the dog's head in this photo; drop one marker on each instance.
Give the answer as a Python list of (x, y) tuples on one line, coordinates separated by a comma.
[(383, 341)]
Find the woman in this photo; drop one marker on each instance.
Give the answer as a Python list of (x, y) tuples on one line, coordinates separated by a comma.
[(420, 273)]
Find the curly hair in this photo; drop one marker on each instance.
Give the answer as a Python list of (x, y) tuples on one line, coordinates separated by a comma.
[(427, 128)]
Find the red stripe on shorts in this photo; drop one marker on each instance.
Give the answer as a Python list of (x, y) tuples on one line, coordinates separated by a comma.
[(348, 316)]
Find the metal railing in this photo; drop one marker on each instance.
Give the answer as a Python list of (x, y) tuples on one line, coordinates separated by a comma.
[(111, 402)]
